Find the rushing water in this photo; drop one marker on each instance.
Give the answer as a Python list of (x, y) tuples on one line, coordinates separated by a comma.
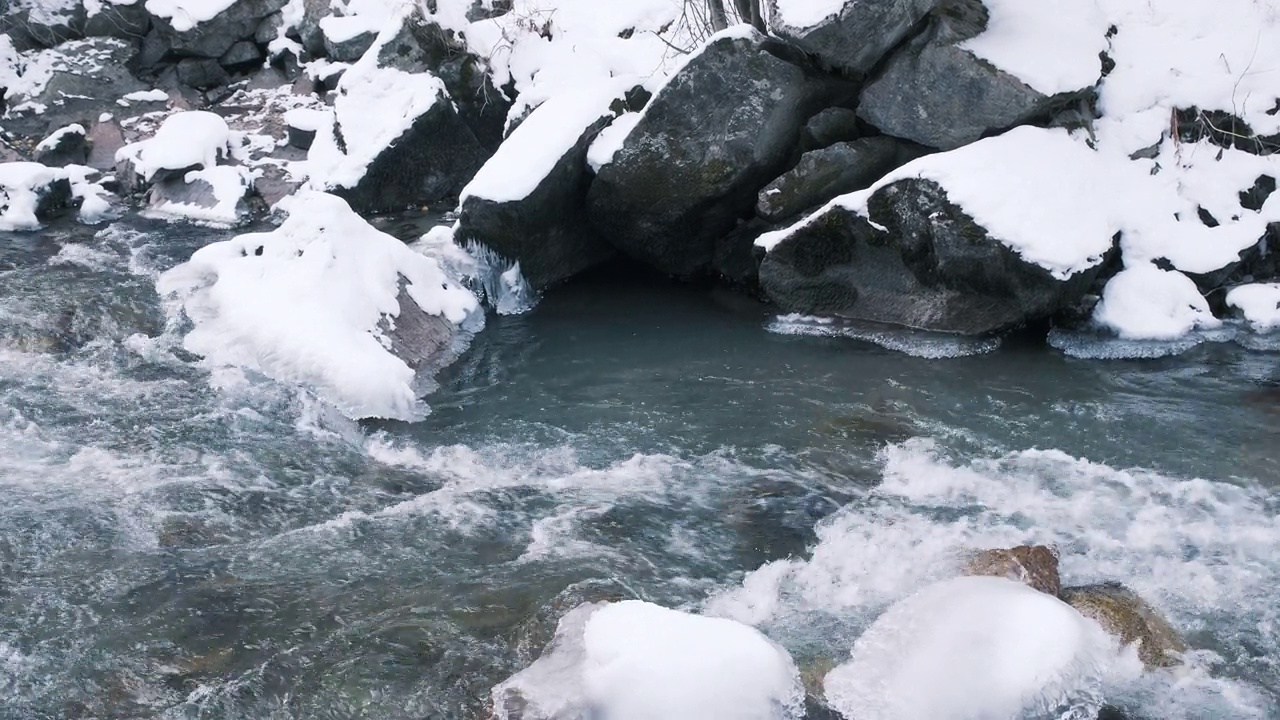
[(177, 542)]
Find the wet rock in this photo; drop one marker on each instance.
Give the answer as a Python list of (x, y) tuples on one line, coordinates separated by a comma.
[(934, 92), (213, 38), (1034, 565), (423, 341), (823, 174), (269, 29), (66, 146), (919, 261), (736, 259), (202, 73), (857, 36), (547, 230), (829, 127), (1124, 614), (711, 138)]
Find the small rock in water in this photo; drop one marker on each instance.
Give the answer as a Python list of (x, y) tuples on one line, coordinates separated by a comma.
[(1122, 613), (1032, 565)]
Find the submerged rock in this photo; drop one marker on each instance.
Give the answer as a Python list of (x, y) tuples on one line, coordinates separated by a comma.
[(1033, 565), (691, 167), (855, 37), (1121, 612)]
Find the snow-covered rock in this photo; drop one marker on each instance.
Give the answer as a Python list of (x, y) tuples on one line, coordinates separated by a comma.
[(214, 195), (328, 302), (723, 126), (1143, 302), (973, 647), (30, 192), (632, 660), (207, 28), (1259, 303), (64, 146), (396, 142), (528, 202), (938, 91), (189, 140), (847, 35)]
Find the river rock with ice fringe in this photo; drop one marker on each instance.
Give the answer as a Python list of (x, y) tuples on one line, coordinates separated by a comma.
[(328, 302), (973, 647), (633, 660)]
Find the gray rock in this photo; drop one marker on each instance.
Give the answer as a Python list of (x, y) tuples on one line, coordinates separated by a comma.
[(172, 187), (829, 127), (938, 94), (307, 30), (919, 261), (350, 49), (202, 73), (1033, 565), (69, 148), (269, 28), (547, 231), (28, 33), (51, 199), (128, 22), (710, 139), (105, 138), (212, 38), (91, 76), (823, 174), (858, 36), (429, 162), (425, 342), (242, 55)]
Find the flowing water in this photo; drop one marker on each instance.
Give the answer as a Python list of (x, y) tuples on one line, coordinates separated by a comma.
[(185, 542)]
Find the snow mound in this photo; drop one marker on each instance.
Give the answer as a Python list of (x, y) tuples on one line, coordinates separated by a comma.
[(184, 140), (374, 107), (21, 186), (1052, 45), (1146, 303), (973, 647), (306, 302), (1259, 303), (184, 15), (634, 660)]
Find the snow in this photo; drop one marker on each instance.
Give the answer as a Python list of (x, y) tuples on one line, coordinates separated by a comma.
[(147, 96), (56, 136), (610, 140), (94, 206), (21, 184), (346, 27), (1259, 303), (400, 98), (183, 140), (805, 13), (531, 152), (1144, 302), (972, 647), (229, 185), (1051, 45), (184, 15), (634, 660), (304, 118), (302, 304)]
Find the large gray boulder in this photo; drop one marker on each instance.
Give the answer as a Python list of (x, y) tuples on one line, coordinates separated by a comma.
[(547, 230), (708, 141), (823, 174), (918, 261), (936, 93), (853, 39), (214, 37)]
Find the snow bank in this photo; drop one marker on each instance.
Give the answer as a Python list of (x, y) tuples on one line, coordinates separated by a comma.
[(633, 660), (184, 139), (972, 647), (1052, 45), (21, 185), (1259, 303), (531, 152), (304, 303), (94, 205), (374, 107), (184, 15), (1146, 303)]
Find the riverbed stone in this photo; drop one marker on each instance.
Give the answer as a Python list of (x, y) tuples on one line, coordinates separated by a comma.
[(1124, 614), (1033, 565)]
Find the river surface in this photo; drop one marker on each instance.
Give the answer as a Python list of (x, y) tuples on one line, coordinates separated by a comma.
[(178, 541)]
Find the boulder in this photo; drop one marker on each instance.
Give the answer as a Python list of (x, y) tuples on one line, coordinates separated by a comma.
[(90, 76), (726, 124), (823, 174), (935, 92), (344, 46), (202, 73), (127, 22), (213, 195), (31, 192), (546, 228), (31, 29), (917, 261), (830, 126), (105, 140), (1032, 565), (244, 55), (855, 37), (213, 37), (66, 146), (307, 29), (1122, 613)]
